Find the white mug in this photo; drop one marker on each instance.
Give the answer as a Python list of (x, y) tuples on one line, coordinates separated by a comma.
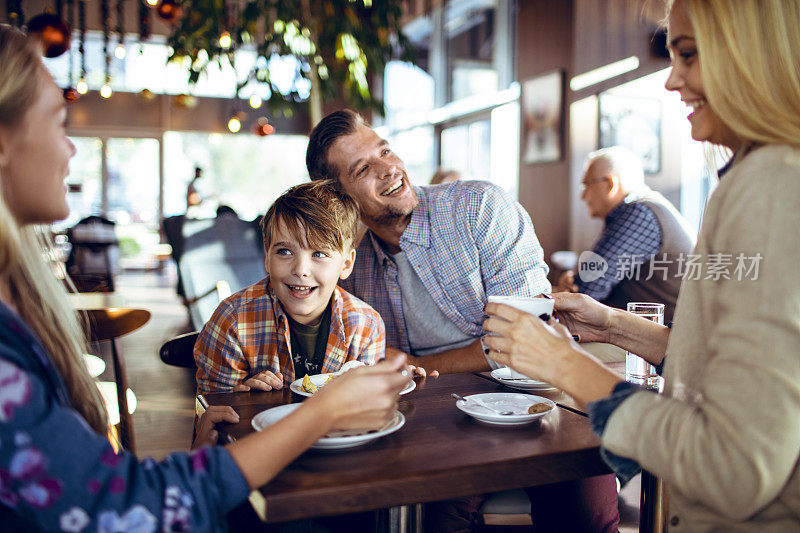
[(530, 304)]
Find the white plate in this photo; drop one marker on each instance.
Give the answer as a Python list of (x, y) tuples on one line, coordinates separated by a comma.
[(504, 401), (270, 416), (319, 379), (503, 375)]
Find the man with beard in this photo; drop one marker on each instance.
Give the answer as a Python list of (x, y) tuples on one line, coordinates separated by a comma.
[(429, 258), (431, 255)]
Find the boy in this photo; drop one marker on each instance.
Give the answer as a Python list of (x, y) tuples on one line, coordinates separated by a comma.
[(295, 321)]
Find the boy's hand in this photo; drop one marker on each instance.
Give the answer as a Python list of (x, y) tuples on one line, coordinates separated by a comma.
[(204, 430), (264, 380)]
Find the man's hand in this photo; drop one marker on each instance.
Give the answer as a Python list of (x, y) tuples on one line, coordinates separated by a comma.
[(414, 368), (417, 370), (566, 282), (264, 380), (205, 434)]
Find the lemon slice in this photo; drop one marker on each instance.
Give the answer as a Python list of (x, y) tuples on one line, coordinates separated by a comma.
[(308, 385)]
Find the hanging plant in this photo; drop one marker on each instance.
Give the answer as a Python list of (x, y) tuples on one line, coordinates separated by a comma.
[(144, 21), (105, 15), (339, 45)]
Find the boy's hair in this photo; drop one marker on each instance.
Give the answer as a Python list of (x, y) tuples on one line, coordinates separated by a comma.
[(318, 213)]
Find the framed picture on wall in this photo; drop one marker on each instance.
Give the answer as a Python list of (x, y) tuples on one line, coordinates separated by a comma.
[(542, 113), (632, 122)]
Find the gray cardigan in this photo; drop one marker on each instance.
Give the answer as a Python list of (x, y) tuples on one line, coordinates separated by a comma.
[(725, 435)]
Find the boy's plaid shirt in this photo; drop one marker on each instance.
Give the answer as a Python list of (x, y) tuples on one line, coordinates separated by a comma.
[(249, 333), (465, 240)]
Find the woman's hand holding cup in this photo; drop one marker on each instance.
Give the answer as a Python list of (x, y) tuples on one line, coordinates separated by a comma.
[(583, 316), (526, 342)]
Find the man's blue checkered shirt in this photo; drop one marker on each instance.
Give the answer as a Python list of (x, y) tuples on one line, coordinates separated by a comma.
[(465, 240), (631, 230)]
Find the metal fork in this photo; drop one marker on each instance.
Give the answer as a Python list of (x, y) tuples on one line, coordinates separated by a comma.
[(482, 404)]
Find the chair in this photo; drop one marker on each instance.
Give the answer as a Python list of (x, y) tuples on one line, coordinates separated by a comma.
[(179, 351), (508, 507), (224, 249), (107, 324), (94, 257)]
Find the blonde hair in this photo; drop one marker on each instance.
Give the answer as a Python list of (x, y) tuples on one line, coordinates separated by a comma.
[(39, 298), (750, 64)]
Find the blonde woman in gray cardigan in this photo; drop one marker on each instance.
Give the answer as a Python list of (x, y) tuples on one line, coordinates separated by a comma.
[(725, 433)]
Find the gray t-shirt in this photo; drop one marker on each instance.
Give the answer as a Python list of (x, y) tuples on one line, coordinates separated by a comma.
[(429, 330)]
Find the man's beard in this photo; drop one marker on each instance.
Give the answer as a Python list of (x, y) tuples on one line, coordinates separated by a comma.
[(390, 216)]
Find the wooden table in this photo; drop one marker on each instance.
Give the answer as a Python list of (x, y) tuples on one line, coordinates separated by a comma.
[(562, 399), (440, 453), (653, 504)]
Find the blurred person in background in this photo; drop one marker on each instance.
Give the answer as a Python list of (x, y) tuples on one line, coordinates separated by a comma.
[(444, 175), (644, 242)]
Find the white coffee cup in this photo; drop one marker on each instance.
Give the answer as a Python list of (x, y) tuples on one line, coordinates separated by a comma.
[(530, 304), (533, 305)]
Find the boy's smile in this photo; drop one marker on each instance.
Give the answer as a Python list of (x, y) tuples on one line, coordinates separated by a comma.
[(304, 278)]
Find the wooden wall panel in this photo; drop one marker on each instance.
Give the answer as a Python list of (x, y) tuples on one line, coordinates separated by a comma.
[(544, 43), (610, 30), (575, 36)]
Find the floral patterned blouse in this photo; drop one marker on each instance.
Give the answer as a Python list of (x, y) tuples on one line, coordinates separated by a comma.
[(57, 474)]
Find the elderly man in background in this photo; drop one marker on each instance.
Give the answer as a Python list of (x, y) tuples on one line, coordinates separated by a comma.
[(645, 240)]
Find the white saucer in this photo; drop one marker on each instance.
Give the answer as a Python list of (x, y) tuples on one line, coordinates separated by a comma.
[(504, 401), (319, 379), (266, 418), (503, 375)]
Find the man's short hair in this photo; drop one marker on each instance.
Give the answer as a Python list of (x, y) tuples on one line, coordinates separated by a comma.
[(624, 164), (328, 131), (319, 213)]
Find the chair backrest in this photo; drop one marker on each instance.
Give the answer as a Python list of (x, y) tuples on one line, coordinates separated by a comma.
[(221, 249), (95, 247), (178, 351)]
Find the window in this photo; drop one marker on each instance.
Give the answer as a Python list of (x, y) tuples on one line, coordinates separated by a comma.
[(686, 174), (462, 111), (85, 195), (469, 30), (245, 172), (145, 67), (465, 147), (132, 198)]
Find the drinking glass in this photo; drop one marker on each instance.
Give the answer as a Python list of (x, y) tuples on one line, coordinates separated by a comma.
[(637, 370)]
